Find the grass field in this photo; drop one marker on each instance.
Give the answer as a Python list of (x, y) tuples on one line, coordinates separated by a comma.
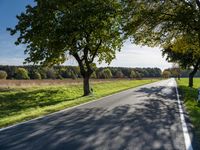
[(190, 101), (20, 104)]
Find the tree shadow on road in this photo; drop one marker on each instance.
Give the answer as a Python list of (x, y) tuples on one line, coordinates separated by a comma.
[(190, 94), (153, 126)]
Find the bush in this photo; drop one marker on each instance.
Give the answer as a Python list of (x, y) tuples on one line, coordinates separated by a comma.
[(94, 76), (106, 74), (51, 74), (35, 75), (138, 75), (133, 74), (166, 74), (21, 73), (73, 76), (3, 74), (43, 73), (119, 74)]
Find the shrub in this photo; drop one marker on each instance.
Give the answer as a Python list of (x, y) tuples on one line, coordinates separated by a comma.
[(73, 76), (138, 75), (166, 74), (35, 75), (3, 74), (51, 74), (119, 74), (133, 74), (94, 76), (105, 74), (43, 73), (21, 73)]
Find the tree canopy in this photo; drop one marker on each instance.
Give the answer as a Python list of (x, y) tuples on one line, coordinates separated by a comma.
[(55, 29), (186, 52), (173, 25), (155, 23)]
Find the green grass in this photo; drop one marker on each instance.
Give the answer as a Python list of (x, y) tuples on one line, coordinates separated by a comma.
[(21, 104), (190, 101)]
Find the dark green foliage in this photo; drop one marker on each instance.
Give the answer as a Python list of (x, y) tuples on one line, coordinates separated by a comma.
[(166, 74), (86, 30), (94, 76), (73, 75), (3, 74), (51, 74), (119, 74), (105, 74), (21, 73), (133, 74), (35, 75), (63, 72)]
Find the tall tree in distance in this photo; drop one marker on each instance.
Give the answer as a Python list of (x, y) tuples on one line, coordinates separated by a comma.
[(88, 30), (186, 52)]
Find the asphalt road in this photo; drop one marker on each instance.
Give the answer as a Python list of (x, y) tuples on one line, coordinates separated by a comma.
[(143, 118)]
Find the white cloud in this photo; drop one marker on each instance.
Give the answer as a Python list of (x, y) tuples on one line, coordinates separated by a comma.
[(137, 56)]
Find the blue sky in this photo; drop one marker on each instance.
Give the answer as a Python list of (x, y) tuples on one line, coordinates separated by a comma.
[(10, 54)]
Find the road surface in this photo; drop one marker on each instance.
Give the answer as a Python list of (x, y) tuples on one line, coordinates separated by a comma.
[(143, 118)]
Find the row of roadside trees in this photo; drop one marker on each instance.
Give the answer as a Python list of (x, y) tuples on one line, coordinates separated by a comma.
[(96, 30), (173, 25), (62, 72)]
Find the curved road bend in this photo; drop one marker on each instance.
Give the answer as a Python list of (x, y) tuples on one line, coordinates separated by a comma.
[(143, 118)]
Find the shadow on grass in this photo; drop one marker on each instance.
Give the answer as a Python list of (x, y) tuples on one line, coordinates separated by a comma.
[(190, 95), (19, 101)]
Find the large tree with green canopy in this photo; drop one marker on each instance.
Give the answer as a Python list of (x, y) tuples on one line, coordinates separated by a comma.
[(88, 30), (161, 22), (186, 52)]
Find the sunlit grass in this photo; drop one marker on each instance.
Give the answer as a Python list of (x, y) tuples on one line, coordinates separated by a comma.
[(190, 101), (20, 104)]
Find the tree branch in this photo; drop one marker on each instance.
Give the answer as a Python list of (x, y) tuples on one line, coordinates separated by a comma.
[(95, 52)]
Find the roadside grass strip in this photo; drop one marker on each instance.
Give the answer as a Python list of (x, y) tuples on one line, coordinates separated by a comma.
[(190, 101), (22, 104)]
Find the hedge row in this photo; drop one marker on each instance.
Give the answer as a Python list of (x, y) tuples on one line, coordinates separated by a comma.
[(60, 72)]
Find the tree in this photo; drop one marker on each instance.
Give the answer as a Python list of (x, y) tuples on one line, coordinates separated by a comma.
[(185, 52), (133, 74), (51, 73), (166, 74), (119, 74), (106, 73), (3, 74), (138, 75), (159, 23), (176, 70), (94, 76), (34, 74), (87, 30), (21, 73), (43, 73), (155, 23)]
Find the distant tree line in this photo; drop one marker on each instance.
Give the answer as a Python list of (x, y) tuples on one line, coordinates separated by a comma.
[(62, 72), (170, 72)]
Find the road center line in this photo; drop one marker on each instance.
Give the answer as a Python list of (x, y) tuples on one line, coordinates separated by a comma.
[(186, 135)]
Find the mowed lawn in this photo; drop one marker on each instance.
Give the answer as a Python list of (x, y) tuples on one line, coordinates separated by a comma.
[(20, 104), (190, 100)]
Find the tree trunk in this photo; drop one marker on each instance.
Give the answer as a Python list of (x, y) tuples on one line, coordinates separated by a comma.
[(191, 75), (86, 85)]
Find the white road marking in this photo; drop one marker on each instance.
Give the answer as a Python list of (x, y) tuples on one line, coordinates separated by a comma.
[(186, 135)]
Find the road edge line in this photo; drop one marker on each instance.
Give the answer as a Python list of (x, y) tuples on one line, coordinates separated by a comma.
[(186, 135)]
